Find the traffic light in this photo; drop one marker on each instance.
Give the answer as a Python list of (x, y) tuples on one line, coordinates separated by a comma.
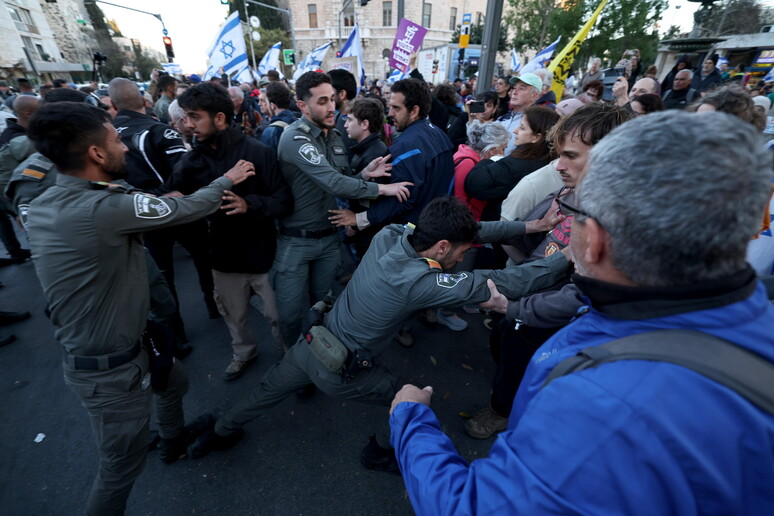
[(168, 46)]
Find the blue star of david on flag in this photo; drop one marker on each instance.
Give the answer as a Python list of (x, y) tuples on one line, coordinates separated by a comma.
[(227, 48)]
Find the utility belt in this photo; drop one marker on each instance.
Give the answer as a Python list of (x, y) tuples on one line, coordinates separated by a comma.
[(334, 355), (102, 362), (315, 234)]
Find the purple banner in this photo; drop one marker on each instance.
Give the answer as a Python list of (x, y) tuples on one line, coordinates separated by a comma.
[(408, 39)]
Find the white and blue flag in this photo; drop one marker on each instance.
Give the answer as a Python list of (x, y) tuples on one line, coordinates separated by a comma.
[(541, 58), (515, 62), (270, 61), (228, 50), (313, 60), (245, 75), (395, 76), (722, 60), (769, 76), (353, 48)]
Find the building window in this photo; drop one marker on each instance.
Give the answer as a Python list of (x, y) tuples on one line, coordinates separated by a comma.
[(349, 15), (30, 47), (22, 19), (387, 14), (312, 16), (453, 19), (426, 12)]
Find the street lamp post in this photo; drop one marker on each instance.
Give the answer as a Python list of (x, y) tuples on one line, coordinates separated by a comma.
[(290, 20)]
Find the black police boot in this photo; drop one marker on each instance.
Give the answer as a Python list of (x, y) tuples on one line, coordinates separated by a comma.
[(173, 449), (13, 317), (377, 458), (211, 441)]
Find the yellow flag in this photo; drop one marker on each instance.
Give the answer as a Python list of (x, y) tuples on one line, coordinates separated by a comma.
[(560, 65)]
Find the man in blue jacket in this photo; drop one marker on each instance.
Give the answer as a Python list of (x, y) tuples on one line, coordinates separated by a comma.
[(653, 250)]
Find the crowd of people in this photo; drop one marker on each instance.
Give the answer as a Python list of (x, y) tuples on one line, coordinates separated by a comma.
[(629, 207)]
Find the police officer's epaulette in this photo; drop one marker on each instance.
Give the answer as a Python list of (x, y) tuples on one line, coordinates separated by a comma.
[(112, 187), (304, 127), (35, 169), (432, 263)]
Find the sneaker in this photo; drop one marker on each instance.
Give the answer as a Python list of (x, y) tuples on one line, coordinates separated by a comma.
[(211, 441), (377, 458), (485, 424), (451, 320), (405, 337), (236, 368)]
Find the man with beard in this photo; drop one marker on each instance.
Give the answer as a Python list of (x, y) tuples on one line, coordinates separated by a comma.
[(89, 258), (242, 235), (314, 162)]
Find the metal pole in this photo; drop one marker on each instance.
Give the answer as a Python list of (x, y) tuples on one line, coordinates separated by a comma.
[(494, 12), (250, 36), (157, 16), (286, 11), (343, 8), (293, 35), (400, 12)]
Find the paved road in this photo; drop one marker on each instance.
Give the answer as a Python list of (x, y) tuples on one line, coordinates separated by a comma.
[(301, 458)]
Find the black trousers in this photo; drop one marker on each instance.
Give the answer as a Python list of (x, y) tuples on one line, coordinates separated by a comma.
[(7, 233), (194, 239), (512, 350)]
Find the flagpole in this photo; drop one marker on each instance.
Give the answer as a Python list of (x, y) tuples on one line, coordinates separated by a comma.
[(250, 37)]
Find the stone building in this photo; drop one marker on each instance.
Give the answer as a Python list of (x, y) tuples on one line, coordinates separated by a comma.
[(43, 41), (318, 21)]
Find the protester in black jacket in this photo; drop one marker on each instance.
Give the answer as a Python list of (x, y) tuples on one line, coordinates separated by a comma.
[(242, 233)]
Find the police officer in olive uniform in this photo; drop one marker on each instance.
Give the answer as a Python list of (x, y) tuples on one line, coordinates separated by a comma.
[(401, 274), (89, 258), (314, 163)]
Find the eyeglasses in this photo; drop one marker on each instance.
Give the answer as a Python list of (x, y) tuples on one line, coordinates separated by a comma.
[(568, 209)]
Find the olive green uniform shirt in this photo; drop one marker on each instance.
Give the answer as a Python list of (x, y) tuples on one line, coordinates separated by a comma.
[(393, 283), (87, 248), (317, 169)]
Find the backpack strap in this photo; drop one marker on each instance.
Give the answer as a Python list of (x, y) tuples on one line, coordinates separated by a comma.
[(747, 373), (278, 123), (457, 162)]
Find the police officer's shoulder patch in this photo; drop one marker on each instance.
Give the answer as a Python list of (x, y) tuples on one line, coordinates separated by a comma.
[(432, 263), (310, 153), (147, 207), (450, 280), (33, 173)]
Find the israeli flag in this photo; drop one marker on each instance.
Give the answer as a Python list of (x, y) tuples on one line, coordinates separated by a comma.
[(395, 76), (211, 71), (722, 60), (312, 61), (769, 76), (270, 61), (353, 48), (515, 62), (244, 75), (229, 50), (541, 57)]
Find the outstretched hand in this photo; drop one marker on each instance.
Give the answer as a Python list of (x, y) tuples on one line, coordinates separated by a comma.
[(496, 302), (378, 168), (399, 190)]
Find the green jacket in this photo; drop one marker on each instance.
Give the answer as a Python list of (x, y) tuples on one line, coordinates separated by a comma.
[(88, 252)]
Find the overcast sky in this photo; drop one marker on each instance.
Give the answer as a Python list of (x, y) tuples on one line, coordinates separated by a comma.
[(192, 24)]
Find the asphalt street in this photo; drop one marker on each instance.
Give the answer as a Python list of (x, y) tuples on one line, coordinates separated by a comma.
[(300, 458)]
